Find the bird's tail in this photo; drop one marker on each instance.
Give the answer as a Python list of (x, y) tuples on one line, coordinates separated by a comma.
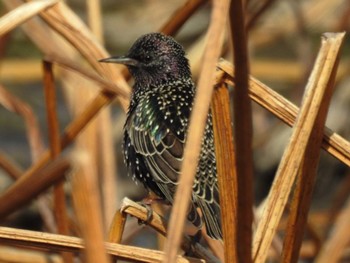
[(212, 218)]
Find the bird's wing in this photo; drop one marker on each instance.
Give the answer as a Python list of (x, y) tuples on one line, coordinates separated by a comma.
[(157, 132)]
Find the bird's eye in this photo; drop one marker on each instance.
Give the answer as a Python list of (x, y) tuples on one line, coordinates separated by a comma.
[(147, 58)]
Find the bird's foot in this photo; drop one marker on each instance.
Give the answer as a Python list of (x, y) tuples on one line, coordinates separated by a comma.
[(147, 202), (149, 214)]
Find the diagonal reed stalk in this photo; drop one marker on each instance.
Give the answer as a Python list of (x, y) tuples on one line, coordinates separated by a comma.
[(286, 111)]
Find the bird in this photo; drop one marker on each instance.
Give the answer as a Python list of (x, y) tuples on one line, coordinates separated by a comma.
[(156, 125)]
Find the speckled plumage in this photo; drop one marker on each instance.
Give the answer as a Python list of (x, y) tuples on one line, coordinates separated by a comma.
[(156, 126)]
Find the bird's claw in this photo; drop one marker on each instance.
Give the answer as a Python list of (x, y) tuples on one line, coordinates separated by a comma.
[(149, 215)]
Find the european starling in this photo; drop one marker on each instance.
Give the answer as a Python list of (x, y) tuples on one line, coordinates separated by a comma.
[(156, 127)]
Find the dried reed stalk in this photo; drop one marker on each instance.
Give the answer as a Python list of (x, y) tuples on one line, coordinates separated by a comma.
[(54, 242), (104, 130), (60, 209), (292, 159), (226, 164), (180, 16), (243, 133), (19, 15), (16, 255), (286, 111), (87, 207), (25, 189), (301, 201), (8, 165), (195, 130), (94, 18)]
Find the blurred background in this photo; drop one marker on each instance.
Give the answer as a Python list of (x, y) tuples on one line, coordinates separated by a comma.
[(284, 38)]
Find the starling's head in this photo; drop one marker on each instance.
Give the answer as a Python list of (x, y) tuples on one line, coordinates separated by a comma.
[(154, 59)]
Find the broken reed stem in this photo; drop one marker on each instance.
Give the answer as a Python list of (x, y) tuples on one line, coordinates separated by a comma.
[(87, 207), (301, 201), (180, 16), (292, 159), (138, 211), (21, 14), (196, 129), (30, 239), (286, 111), (226, 163), (243, 133)]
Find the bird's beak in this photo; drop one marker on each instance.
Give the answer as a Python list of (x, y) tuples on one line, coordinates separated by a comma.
[(120, 60)]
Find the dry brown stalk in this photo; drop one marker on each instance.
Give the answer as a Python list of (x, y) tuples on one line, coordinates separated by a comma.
[(31, 187), (60, 209), (138, 211), (180, 16), (243, 133), (286, 111), (226, 163), (16, 255), (68, 25), (8, 165), (19, 15), (195, 130), (292, 159), (59, 243), (301, 201), (87, 207)]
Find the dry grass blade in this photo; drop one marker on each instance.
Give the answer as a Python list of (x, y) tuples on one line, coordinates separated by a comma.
[(226, 163), (196, 129), (87, 206), (21, 14), (334, 247), (293, 157), (333, 143), (243, 133), (307, 173), (25, 189), (59, 243)]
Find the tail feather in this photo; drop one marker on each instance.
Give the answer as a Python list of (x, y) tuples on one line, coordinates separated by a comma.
[(212, 218)]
